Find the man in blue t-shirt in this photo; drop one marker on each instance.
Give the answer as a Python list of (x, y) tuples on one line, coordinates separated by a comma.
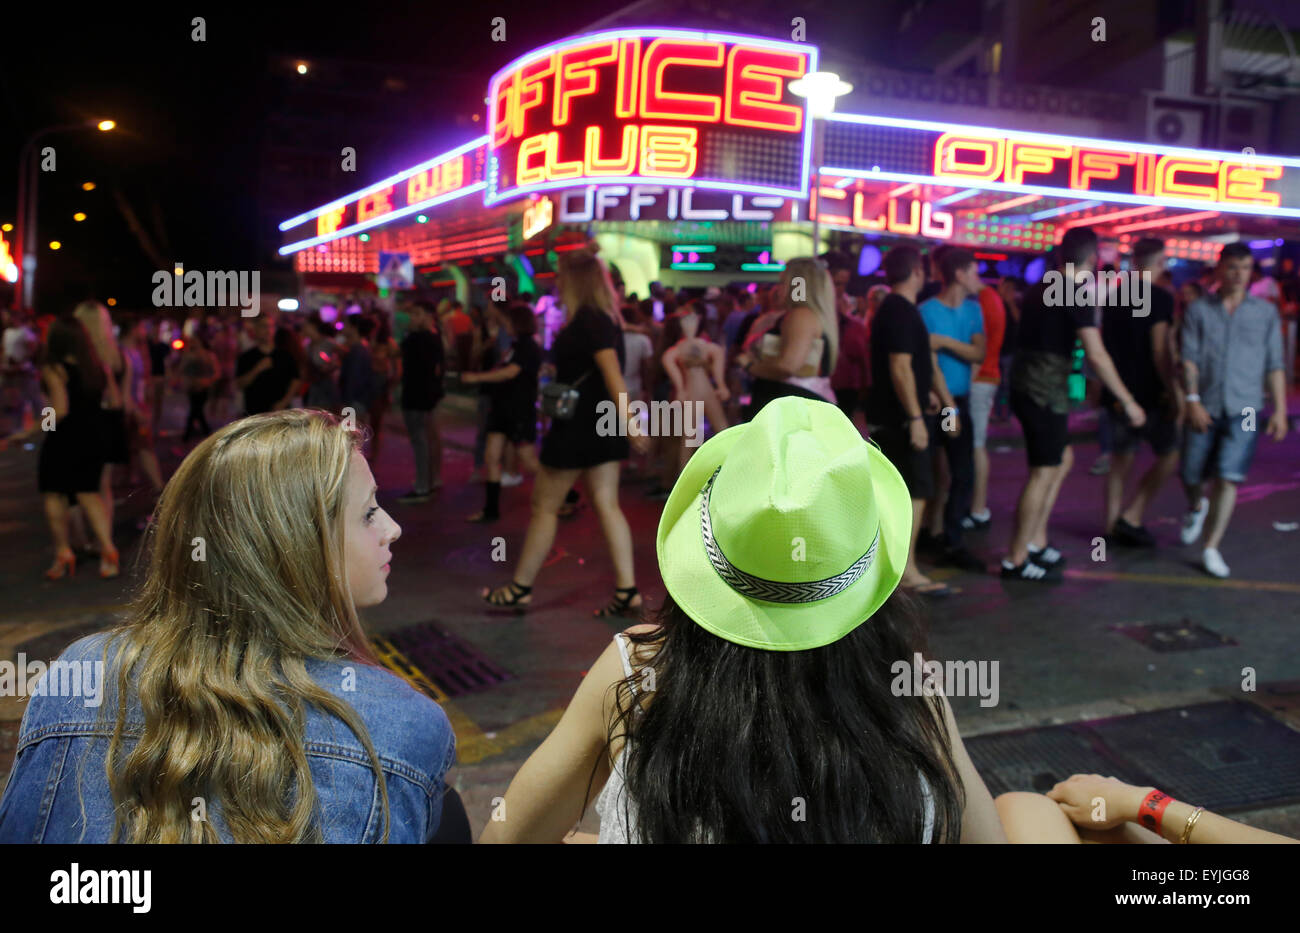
[(957, 336)]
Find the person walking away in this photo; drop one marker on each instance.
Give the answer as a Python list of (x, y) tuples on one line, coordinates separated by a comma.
[(423, 366), (1232, 345), (1136, 336), (1040, 398)]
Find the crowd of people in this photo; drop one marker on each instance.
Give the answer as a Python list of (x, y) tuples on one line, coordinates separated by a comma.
[(261, 641)]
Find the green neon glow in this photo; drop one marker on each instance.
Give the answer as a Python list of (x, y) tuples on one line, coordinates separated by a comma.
[(706, 248), (694, 266), (762, 266)]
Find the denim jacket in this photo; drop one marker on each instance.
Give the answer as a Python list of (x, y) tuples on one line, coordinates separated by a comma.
[(58, 790)]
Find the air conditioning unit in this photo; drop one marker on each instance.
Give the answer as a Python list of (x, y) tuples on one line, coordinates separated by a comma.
[(1174, 121), (1245, 124)]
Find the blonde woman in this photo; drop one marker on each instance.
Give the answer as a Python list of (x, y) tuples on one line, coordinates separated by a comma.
[(589, 356), (240, 700), (797, 353)]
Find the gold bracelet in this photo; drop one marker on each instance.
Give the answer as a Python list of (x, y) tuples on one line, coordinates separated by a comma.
[(1187, 830)]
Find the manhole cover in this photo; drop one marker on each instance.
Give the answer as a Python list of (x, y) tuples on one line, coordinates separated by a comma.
[(1173, 636), (1221, 756), (454, 666)]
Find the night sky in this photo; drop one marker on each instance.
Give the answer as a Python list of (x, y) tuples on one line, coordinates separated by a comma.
[(186, 148)]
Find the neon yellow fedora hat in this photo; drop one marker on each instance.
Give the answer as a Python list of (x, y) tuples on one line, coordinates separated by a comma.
[(785, 533)]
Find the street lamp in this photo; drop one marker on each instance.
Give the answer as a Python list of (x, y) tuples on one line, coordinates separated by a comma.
[(25, 238), (819, 88)]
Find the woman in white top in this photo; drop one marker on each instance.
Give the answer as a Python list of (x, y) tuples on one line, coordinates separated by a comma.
[(775, 699)]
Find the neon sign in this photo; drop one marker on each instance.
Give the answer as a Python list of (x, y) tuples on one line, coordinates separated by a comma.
[(881, 213), (8, 268), (697, 109), (537, 217), (442, 178), (894, 149), (657, 202)]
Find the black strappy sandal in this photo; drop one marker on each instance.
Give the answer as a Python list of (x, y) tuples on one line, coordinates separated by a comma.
[(508, 596), (621, 604)]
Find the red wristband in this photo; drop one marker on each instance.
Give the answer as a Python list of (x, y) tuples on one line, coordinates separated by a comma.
[(1151, 812)]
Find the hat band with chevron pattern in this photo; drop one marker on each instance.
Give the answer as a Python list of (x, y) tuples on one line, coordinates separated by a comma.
[(775, 591)]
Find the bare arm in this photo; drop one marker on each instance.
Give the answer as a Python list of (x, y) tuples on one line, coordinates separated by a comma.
[(718, 357), (501, 374), (673, 370), (972, 352), (941, 384), (799, 329), (900, 373), (980, 822), (545, 799)]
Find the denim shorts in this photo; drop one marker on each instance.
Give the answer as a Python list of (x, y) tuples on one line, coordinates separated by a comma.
[(1225, 449), (982, 396)]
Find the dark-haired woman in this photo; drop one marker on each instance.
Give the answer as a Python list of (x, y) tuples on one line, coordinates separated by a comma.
[(782, 696), (511, 390), (72, 458)]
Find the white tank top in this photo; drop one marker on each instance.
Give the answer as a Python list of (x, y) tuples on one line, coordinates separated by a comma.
[(617, 811)]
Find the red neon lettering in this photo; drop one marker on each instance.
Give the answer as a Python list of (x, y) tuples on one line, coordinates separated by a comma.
[(576, 75), (1087, 164), (913, 224), (422, 185), (1038, 158), (330, 221), (860, 220), (375, 205), (625, 164), (1168, 185), (503, 120), (526, 174), (835, 194), (949, 145), (937, 224), (1243, 184), (1146, 174), (629, 68), (453, 174), (531, 89), (668, 150), (755, 88), (678, 105)]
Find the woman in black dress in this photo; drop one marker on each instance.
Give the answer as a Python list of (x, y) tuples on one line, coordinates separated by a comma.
[(72, 456), (589, 357), (94, 317)]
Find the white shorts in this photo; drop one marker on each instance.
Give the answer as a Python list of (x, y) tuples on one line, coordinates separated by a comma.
[(982, 395)]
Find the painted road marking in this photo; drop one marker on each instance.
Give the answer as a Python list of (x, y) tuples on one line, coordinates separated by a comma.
[(472, 743), (1171, 580)]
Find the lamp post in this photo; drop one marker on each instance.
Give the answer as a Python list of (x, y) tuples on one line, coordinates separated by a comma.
[(819, 88), (25, 232)]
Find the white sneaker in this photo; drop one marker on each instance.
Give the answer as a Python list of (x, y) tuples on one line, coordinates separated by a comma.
[(1213, 563), (511, 479), (1193, 522)]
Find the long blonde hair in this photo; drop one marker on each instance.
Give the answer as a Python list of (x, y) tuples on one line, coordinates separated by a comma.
[(215, 644), (99, 325), (818, 294), (584, 281)]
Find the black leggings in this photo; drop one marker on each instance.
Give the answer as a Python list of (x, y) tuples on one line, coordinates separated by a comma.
[(197, 401)]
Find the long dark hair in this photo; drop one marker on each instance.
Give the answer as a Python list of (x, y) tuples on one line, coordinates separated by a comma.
[(736, 744), (67, 340)]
